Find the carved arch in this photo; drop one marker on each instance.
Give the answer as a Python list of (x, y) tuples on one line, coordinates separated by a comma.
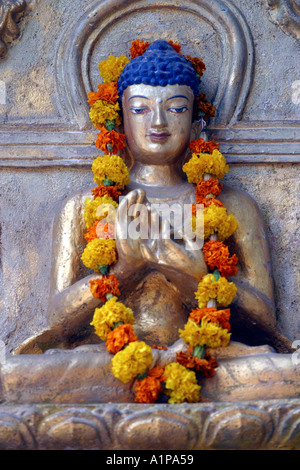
[(236, 72)]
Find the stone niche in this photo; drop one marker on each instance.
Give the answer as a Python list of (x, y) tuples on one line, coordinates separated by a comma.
[(49, 62)]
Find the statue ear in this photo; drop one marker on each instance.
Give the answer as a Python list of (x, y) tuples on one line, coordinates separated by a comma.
[(127, 156), (198, 131)]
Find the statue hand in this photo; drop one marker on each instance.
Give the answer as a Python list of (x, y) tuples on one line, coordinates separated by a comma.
[(167, 253), (136, 249), (129, 247)]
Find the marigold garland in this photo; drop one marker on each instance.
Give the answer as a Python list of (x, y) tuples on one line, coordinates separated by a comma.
[(91, 212), (209, 288), (91, 233), (205, 188), (111, 68), (212, 314), (110, 168), (113, 322), (120, 337), (205, 109), (102, 111), (107, 139), (198, 64), (110, 191), (207, 333), (110, 314), (106, 285), (176, 46), (99, 252), (207, 201), (135, 359), (149, 389), (216, 255), (217, 220), (181, 384), (138, 48), (214, 164), (106, 92), (105, 229), (203, 367), (202, 146)]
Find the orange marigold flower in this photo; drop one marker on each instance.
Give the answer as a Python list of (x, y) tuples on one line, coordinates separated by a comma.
[(147, 390), (204, 188), (111, 191), (115, 139), (161, 348), (157, 372), (105, 230), (205, 367), (91, 232), (212, 200), (198, 64), (106, 92), (105, 285), (217, 255), (119, 337), (212, 314), (208, 109), (206, 202), (212, 361), (202, 146), (175, 46), (194, 209), (138, 48)]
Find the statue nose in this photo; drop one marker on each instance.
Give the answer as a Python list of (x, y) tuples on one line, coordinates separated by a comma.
[(159, 120)]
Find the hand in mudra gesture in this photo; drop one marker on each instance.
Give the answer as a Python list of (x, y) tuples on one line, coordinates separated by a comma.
[(149, 238)]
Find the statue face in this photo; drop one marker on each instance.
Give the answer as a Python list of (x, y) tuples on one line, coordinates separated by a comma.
[(157, 122)]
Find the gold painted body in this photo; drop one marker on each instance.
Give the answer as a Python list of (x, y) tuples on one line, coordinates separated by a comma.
[(158, 278)]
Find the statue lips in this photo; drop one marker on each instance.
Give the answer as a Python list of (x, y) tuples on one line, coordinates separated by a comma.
[(158, 136)]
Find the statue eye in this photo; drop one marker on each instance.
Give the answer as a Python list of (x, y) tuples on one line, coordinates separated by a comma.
[(138, 110), (179, 110)]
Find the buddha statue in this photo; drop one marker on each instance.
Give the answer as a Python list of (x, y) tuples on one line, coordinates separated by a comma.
[(158, 276)]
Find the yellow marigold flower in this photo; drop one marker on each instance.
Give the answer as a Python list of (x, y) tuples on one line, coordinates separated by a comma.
[(207, 289), (214, 164), (101, 111), (135, 359), (222, 290), (92, 213), (111, 167), (110, 313), (226, 291), (217, 220), (111, 68), (197, 223), (206, 333), (181, 384), (99, 251)]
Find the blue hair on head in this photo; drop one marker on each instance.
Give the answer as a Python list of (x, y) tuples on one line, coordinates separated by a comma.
[(160, 65)]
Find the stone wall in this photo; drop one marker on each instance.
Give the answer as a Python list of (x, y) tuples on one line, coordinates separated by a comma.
[(251, 52)]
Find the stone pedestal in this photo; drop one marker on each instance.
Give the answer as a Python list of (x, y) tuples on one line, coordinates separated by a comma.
[(271, 424)]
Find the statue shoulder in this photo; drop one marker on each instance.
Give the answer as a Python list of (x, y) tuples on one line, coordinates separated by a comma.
[(73, 204), (251, 240), (68, 241), (239, 202)]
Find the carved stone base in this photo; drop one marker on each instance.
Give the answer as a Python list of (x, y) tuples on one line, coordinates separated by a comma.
[(271, 424)]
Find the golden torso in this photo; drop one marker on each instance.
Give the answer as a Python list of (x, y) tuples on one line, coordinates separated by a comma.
[(158, 279)]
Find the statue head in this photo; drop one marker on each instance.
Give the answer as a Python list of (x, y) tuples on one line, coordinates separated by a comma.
[(157, 92)]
